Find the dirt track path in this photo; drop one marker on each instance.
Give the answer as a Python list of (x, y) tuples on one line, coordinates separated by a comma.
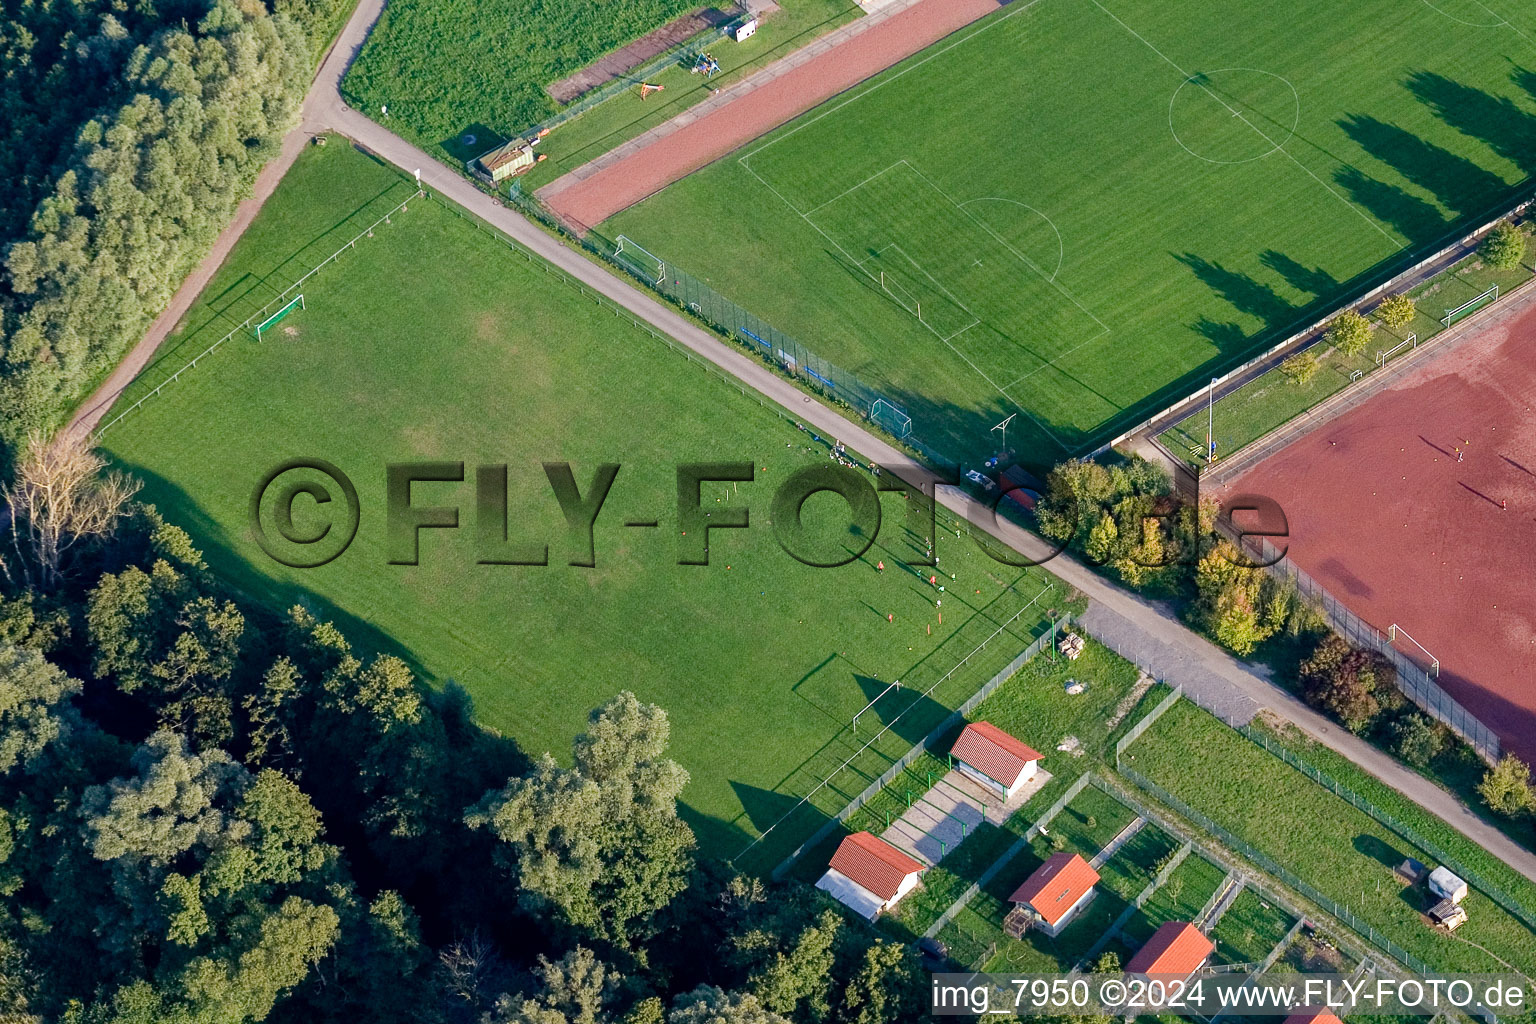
[(1151, 634), (323, 98), (754, 106)]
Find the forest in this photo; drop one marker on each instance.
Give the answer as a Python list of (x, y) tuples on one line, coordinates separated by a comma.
[(213, 812)]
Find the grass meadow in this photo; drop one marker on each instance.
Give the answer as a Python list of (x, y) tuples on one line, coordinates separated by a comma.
[(447, 66), (432, 340), (1342, 851), (1079, 209), (448, 69)]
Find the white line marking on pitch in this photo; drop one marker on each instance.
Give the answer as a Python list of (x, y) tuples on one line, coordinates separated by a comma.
[(1396, 245)]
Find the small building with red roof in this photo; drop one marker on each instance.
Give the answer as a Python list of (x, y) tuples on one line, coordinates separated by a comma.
[(1313, 1015), (869, 875), (995, 759), (1176, 950), (1055, 893)]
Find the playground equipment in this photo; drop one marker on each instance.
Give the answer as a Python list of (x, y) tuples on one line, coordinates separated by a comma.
[(701, 64), (646, 88)]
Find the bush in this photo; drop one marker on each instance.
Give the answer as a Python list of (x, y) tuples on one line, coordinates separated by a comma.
[(1397, 311), (1347, 682), (1349, 333), (1504, 247), (1300, 368), (1417, 740), (1506, 788)]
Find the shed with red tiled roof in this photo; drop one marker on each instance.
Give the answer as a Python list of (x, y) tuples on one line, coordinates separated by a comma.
[(1056, 891), (1313, 1015), (994, 758), (869, 875), (1177, 949)]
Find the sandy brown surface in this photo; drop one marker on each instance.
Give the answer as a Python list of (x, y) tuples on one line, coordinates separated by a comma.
[(778, 99)]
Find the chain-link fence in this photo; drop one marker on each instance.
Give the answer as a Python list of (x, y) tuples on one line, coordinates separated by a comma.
[(1146, 723), (1348, 397), (634, 77), (752, 333), (918, 749), (1277, 870), (1477, 881), (1415, 680)]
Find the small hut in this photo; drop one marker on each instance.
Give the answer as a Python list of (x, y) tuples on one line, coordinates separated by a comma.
[(507, 161)]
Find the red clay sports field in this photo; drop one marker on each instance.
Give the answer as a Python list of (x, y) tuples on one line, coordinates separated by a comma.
[(1383, 515)]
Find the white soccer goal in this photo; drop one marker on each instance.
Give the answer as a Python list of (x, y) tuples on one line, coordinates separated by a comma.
[(890, 416), (644, 263), (297, 302), (1466, 307)]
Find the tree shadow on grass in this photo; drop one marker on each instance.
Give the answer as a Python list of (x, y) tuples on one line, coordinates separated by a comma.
[(472, 141), (1412, 216), (1378, 850), (1498, 121), (1457, 182)]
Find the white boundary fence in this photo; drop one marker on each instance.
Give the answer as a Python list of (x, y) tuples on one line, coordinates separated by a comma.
[(261, 314)]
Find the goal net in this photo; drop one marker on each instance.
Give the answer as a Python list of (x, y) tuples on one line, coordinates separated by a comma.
[(646, 265), (891, 417)]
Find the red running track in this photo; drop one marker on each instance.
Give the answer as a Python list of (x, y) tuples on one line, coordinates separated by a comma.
[(1383, 515), (622, 184)]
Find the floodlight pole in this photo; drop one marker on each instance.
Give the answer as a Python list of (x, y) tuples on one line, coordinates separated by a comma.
[(1210, 422)]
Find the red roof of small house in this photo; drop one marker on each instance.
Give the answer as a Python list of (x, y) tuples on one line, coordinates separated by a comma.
[(873, 863), (1057, 885), (993, 752), (1313, 1015), (1177, 948)]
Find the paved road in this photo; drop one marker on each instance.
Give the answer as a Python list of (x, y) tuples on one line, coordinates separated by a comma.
[(1142, 630)]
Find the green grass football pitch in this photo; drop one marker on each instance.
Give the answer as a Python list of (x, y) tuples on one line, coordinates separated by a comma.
[(431, 340), (1078, 210)]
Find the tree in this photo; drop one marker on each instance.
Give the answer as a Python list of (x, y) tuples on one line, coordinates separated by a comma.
[(709, 1005), (576, 989), (1300, 368), (166, 808), (1344, 680), (1102, 539), (1238, 605), (599, 844), (59, 498), (1417, 739), (1506, 787), (158, 633), (140, 193), (888, 987), (1504, 247), (1397, 311), (1073, 491), (1107, 963), (1349, 333), (796, 981), (34, 706)]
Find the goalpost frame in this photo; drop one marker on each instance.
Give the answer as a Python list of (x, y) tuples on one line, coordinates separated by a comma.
[(624, 245), (276, 318)]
